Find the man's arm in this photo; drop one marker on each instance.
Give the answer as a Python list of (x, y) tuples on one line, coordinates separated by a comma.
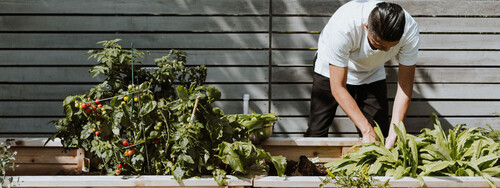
[(402, 100), (338, 80)]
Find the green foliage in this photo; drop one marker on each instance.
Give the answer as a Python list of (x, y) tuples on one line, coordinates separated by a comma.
[(357, 179), (461, 152), (6, 163), (147, 128)]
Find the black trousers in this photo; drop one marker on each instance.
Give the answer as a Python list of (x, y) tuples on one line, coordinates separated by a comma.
[(370, 98)]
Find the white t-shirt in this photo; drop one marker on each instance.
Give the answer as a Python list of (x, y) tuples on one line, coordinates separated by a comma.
[(344, 43)]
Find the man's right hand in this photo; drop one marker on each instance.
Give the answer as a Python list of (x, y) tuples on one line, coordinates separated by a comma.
[(369, 136)]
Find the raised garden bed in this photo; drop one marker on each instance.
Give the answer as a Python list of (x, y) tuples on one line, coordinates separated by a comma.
[(314, 181), (34, 163), (123, 181), (35, 158)]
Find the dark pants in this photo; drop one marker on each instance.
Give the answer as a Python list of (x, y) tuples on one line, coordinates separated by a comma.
[(371, 99)]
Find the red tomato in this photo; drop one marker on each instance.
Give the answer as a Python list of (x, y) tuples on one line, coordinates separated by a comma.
[(97, 101), (99, 106), (130, 152), (157, 141), (120, 165), (97, 133), (87, 110), (125, 143), (118, 171)]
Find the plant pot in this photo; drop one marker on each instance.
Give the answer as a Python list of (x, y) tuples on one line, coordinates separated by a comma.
[(258, 136)]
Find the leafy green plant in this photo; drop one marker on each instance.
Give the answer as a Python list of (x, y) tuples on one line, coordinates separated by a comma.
[(461, 152), (357, 179), (164, 125), (6, 163)]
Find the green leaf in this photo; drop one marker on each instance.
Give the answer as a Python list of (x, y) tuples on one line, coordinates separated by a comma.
[(149, 107), (399, 172), (435, 167), (280, 164), (178, 173), (182, 92)]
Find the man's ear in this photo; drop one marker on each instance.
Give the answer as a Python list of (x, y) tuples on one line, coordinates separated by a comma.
[(366, 25)]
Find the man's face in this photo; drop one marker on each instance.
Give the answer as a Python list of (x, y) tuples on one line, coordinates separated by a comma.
[(377, 43)]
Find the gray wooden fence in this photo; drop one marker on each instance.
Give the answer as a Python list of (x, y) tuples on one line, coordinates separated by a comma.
[(259, 47)]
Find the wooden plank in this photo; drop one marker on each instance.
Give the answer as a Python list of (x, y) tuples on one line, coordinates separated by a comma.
[(294, 125), (29, 142), (126, 181), (81, 74), (422, 75), (423, 7), (425, 24), (450, 7), (437, 182), (154, 7), (457, 58), (28, 125), (59, 92), (420, 91), (309, 141), (43, 169), (427, 41), (41, 91), (135, 23), (140, 40), (321, 153), (45, 155), (55, 109), (318, 7), (299, 24), (477, 24), (77, 57), (425, 58), (417, 108)]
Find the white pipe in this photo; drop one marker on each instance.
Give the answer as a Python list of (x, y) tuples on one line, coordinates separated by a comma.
[(246, 98)]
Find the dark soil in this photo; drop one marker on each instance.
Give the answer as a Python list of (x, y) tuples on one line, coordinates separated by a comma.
[(302, 168)]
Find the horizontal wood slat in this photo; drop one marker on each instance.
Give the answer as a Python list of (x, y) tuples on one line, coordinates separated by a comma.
[(150, 41), (285, 125), (134, 23), (55, 109), (153, 7), (427, 75), (417, 108), (420, 91), (427, 41), (81, 74), (59, 92), (425, 24), (78, 57), (425, 58), (421, 7), (412, 124)]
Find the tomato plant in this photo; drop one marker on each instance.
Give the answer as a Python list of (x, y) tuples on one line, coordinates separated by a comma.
[(148, 125)]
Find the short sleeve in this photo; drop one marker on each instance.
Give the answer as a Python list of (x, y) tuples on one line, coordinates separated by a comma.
[(334, 45), (409, 50)]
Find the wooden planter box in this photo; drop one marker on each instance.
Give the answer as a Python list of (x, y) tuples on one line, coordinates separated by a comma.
[(33, 158), (323, 149), (123, 181), (314, 181)]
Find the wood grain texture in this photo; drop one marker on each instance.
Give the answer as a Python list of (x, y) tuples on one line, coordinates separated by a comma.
[(140, 40), (154, 7), (134, 23), (427, 41)]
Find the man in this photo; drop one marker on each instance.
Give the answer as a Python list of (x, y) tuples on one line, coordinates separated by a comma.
[(349, 68)]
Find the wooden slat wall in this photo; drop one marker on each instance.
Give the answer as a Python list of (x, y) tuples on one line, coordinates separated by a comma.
[(259, 47)]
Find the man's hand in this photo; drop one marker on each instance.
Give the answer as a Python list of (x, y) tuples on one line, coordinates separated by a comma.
[(370, 137), (390, 141)]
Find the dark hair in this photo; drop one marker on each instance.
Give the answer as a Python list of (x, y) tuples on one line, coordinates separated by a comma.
[(387, 21)]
